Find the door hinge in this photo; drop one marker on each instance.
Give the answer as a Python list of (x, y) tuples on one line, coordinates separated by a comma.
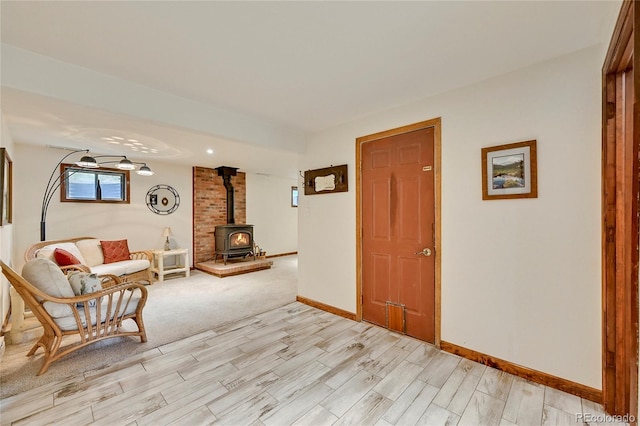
[(611, 110)]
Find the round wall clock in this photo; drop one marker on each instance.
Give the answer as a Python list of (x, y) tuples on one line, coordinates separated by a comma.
[(163, 199)]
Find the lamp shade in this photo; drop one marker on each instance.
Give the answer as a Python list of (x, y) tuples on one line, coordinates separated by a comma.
[(125, 164), (87, 161), (145, 171), (167, 232)]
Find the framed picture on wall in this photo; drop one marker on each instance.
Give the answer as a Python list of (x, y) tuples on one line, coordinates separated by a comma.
[(510, 171), (294, 196), (6, 183)]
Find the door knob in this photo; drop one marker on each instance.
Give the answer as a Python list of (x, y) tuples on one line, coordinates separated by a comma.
[(425, 251)]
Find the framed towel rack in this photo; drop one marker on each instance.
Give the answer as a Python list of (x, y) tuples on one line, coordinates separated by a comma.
[(327, 180)]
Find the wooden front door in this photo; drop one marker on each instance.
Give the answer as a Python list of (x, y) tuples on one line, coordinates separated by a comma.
[(398, 233)]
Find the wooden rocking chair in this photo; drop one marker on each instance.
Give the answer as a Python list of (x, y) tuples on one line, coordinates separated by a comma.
[(92, 322)]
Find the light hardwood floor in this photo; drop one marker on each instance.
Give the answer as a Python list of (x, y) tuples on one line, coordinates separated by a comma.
[(296, 365)]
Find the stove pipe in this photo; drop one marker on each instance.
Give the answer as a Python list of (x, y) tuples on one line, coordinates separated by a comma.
[(226, 173)]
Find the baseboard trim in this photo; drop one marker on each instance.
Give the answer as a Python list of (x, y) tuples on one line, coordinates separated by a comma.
[(282, 254), (565, 385), (328, 308)]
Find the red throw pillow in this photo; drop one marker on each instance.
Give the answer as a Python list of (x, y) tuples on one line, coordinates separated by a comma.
[(115, 251), (64, 258)]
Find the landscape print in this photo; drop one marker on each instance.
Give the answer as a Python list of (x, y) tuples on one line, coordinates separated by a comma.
[(508, 171)]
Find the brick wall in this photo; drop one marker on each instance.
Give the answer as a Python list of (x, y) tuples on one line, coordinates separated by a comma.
[(210, 208)]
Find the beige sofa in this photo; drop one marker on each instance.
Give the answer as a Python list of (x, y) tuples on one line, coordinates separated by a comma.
[(88, 251)]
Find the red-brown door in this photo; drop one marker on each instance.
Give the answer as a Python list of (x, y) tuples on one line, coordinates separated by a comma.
[(398, 224)]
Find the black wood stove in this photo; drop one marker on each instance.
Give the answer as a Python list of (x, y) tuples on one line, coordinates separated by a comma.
[(232, 240)]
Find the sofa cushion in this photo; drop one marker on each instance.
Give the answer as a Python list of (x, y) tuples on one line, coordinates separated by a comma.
[(64, 258), (91, 251), (68, 322), (121, 268), (47, 277), (84, 283), (47, 252), (115, 251)]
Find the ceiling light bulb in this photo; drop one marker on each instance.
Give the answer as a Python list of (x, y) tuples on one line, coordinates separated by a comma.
[(209, 151)]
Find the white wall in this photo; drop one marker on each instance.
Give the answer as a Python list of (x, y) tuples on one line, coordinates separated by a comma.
[(520, 278), (6, 237), (134, 222), (269, 210)]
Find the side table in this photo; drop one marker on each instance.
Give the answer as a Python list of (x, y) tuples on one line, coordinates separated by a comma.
[(182, 263)]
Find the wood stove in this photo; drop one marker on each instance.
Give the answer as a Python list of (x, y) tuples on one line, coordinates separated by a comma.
[(234, 240)]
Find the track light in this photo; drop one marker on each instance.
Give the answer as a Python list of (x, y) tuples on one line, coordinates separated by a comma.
[(87, 161), (144, 170), (125, 164)]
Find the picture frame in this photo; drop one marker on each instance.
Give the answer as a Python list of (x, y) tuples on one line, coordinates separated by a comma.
[(294, 196), (510, 171), (6, 183)]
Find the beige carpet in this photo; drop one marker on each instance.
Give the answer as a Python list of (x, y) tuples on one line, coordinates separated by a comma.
[(176, 308)]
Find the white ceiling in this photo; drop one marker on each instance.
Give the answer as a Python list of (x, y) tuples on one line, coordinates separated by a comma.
[(300, 66)]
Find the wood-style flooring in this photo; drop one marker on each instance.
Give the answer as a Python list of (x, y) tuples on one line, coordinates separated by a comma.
[(296, 365)]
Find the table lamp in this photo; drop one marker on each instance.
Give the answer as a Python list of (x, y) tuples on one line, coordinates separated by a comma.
[(166, 233)]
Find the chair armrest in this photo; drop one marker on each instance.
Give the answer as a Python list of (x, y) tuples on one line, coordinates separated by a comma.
[(81, 268), (104, 292), (109, 280), (142, 254)]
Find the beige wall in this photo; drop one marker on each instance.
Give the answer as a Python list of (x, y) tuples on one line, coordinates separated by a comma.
[(269, 210), (520, 278), (6, 238)]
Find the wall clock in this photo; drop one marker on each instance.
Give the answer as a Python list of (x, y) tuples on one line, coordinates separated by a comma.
[(163, 199)]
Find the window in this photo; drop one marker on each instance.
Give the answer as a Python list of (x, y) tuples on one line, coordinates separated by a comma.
[(94, 185), (294, 196)]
